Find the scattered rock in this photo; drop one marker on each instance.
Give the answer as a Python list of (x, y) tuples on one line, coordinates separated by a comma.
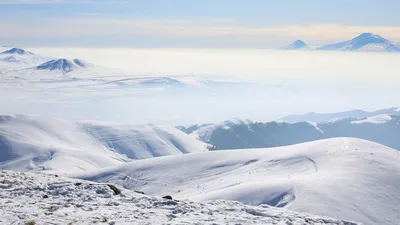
[(115, 189), (140, 192), (167, 197), (77, 184)]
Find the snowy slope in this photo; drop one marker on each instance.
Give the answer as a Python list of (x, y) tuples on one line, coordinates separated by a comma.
[(46, 199), (343, 178), (364, 42), (30, 143), (144, 141)]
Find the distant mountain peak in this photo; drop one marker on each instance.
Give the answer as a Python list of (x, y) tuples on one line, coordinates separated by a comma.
[(17, 51), (65, 65), (297, 45), (364, 42)]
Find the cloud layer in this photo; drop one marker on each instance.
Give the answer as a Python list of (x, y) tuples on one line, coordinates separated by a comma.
[(184, 29)]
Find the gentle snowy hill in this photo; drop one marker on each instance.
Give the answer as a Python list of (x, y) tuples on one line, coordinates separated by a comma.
[(297, 45), (45, 199), (29, 143), (383, 129), (364, 42), (64, 65), (344, 178), (321, 117)]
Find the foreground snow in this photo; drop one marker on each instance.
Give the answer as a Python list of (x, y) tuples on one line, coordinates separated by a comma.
[(343, 178), (47, 199)]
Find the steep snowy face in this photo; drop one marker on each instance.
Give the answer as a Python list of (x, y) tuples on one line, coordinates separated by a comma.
[(343, 178), (17, 51), (45, 199), (47, 144), (364, 42), (64, 65), (297, 45)]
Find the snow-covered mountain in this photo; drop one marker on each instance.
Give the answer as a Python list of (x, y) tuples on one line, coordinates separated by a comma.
[(17, 51), (31, 143), (64, 65), (37, 198), (345, 178), (382, 129), (20, 56), (321, 117), (364, 42), (297, 45)]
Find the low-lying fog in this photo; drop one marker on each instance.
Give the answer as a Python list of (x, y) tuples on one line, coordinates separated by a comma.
[(296, 82)]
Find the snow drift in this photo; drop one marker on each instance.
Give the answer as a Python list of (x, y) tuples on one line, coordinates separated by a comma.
[(344, 178)]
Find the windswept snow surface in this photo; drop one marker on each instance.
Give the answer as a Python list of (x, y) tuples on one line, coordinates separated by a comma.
[(32, 143), (47, 199), (344, 178), (384, 118)]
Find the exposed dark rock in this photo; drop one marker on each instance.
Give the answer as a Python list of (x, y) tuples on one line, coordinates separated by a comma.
[(140, 192), (115, 189), (167, 197)]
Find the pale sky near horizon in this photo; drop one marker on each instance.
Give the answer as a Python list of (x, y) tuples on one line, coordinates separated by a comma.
[(182, 23)]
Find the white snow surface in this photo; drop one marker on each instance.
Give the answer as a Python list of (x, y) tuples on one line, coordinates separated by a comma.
[(343, 178), (204, 132), (33, 143), (46, 199), (384, 118)]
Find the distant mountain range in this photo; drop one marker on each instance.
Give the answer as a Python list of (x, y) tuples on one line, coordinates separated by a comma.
[(321, 117), (237, 134), (363, 42)]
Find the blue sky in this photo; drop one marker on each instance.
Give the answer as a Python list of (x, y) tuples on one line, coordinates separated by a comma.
[(189, 23)]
